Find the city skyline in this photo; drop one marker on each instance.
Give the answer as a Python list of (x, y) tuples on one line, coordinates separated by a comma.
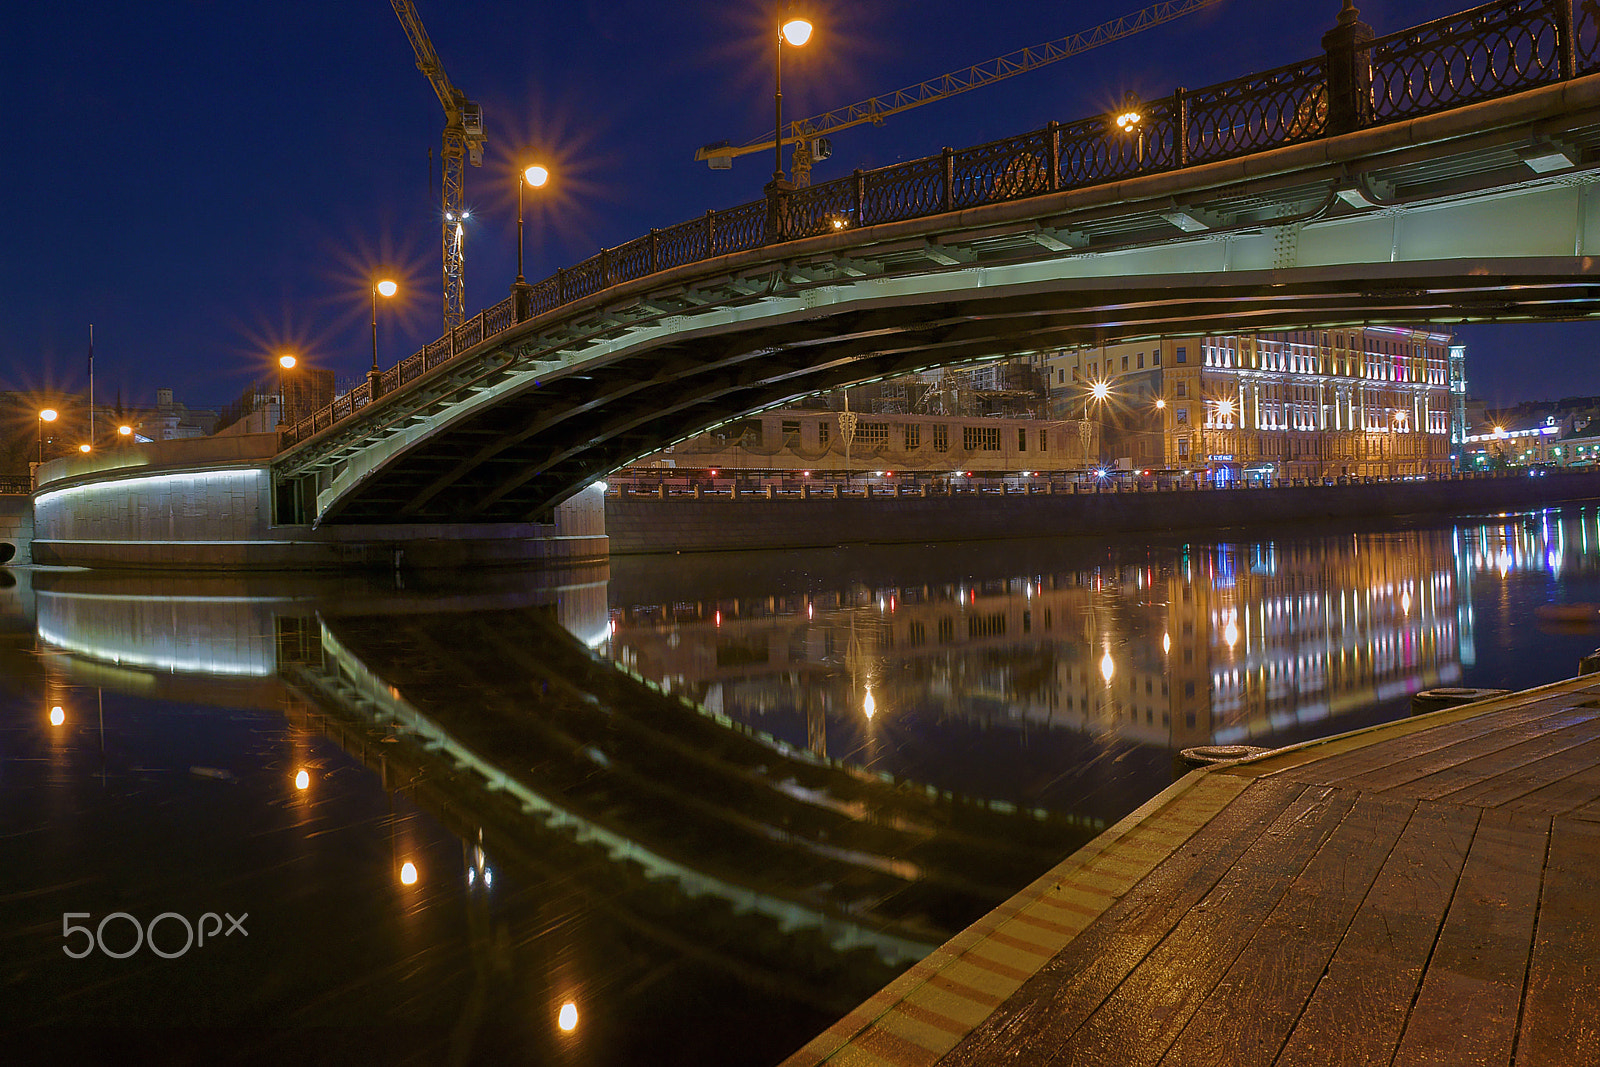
[(234, 198)]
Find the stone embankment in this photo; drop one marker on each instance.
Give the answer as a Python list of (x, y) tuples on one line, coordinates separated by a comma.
[(719, 517)]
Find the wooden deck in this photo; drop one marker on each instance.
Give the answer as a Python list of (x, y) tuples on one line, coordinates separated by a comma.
[(1426, 892)]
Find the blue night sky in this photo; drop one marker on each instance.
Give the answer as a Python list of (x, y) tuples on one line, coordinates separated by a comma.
[(210, 184)]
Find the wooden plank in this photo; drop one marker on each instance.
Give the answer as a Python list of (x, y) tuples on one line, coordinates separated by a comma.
[(1066, 990), (1530, 767), (1560, 1015), (1356, 1013), (1561, 796), (1287, 954), (1396, 763), (1145, 1013), (1572, 691), (1466, 1012)]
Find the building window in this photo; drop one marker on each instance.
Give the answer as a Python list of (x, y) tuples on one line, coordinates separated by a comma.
[(1124, 362), (1061, 376), (822, 434), (1183, 354), (980, 438), (791, 426), (913, 437), (941, 437), (1022, 439), (873, 433), (1155, 358), (1181, 389), (1043, 444), (1180, 414), (1141, 361), (1183, 449)]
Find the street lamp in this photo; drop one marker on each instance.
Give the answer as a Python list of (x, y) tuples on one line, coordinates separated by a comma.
[(1129, 122), (47, 415), (535, 176), (385, 288), (796, 31), (286, 362)]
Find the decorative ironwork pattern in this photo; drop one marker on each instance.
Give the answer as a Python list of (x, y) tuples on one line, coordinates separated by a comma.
[(1004, 170), (632, 260), (1283, 106), (680, 244), (1586, 35), (1502, 47), (822, 208), (1490, 51), (1093, 150), (738, 228), (904, 192)]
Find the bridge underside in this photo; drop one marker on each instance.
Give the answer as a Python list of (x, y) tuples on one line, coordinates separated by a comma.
[(512, 461), (1429, 221)]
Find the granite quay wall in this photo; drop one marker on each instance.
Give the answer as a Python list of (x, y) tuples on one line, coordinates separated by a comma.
[(16, 529), (207, 504), (646, 522)]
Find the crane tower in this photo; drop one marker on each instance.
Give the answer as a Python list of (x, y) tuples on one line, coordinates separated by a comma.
[(463, 140)]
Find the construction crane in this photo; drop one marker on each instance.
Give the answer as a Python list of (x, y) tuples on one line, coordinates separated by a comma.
[(809, 136), (463, 140)]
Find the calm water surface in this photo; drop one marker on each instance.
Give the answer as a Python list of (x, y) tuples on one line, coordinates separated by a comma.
[(695, 808)]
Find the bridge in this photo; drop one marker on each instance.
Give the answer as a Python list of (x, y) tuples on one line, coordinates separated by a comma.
[(1443, 173), (1434, 174)]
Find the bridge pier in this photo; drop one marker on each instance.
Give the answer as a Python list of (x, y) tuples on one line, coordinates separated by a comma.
[(208, 504)]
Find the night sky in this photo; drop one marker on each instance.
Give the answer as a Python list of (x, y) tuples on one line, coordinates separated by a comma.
[(211, 184)]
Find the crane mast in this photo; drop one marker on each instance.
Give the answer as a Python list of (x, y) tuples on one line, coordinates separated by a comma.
[(463, 141), (804, 133)]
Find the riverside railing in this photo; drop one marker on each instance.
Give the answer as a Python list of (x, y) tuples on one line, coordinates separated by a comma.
[(1360, 81)]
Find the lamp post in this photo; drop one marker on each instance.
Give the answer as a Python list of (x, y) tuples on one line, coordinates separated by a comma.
[(385, 288), (286, 363), (535, 176), (46, 415), (796, 31), (1129, 121)]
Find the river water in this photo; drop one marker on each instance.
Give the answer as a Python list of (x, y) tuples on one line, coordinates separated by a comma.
[(677, 809)]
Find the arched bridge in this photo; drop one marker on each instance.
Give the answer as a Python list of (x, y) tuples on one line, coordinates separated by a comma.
[(1444, 173)]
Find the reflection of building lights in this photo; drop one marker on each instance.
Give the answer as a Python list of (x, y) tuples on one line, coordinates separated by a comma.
[(408, 873), (1230, 633), (302, 780), (1166, 643), (58, 715), (568, 1019), (1107, 667), (869, 705)]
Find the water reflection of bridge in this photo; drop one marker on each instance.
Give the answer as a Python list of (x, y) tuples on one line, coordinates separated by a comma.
[(487, 711), (1219, 644)]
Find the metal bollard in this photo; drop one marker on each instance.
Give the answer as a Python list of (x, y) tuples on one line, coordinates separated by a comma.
[(1450, 697)]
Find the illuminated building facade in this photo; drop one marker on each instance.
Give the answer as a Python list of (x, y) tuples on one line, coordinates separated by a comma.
[(1374, 401)]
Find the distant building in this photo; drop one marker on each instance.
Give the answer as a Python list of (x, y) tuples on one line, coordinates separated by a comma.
[(171, 420), (1371, 401)]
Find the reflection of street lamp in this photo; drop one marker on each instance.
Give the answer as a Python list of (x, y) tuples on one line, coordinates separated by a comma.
[(47, 415), (385, 288), (797, 31)]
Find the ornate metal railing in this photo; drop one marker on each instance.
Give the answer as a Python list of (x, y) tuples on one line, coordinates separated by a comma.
[(1500, 48)]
